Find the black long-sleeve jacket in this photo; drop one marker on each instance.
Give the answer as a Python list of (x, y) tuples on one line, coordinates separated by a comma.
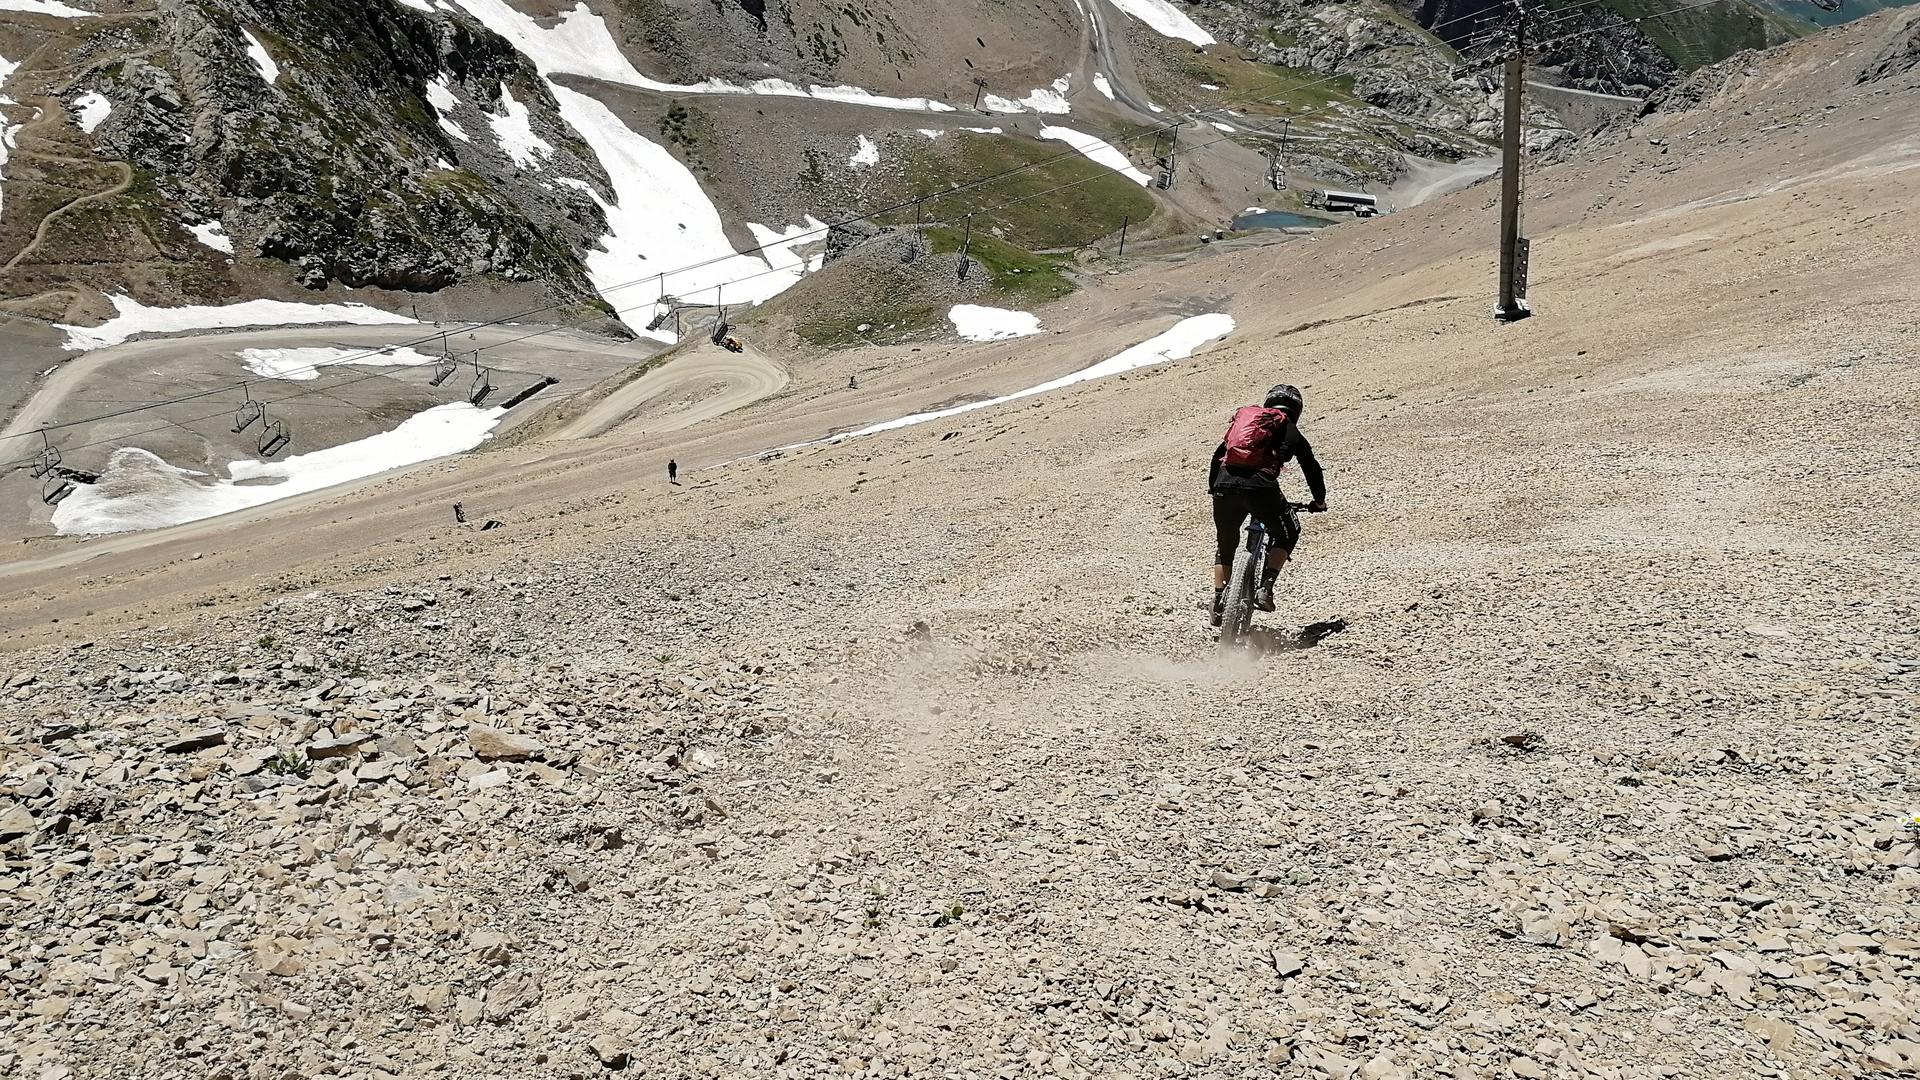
[(1297, 449)]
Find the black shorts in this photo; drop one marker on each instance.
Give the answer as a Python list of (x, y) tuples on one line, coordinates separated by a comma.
[(1230, 509)]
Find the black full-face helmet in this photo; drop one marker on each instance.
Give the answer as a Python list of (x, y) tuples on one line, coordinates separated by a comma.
[(1286, 396)]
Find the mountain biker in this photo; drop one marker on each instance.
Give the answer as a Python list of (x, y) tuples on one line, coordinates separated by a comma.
[(1253, 487)]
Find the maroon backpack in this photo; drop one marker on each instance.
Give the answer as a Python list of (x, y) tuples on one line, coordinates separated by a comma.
[(1257, 437)]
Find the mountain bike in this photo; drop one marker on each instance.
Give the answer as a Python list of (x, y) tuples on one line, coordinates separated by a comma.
[(1237, 617)]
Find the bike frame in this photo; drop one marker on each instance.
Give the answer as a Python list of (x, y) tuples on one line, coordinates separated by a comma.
[(1244, 578)]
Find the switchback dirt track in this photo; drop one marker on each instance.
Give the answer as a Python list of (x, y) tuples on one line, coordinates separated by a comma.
[(1580, 747)]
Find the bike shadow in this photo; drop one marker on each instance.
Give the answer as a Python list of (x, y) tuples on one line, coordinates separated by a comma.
[(1263, 639)]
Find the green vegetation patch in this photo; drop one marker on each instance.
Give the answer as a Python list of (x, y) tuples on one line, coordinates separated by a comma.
[(1091, 201), (1710, 34), (893, 308), (1255, 88), (1016, 274)]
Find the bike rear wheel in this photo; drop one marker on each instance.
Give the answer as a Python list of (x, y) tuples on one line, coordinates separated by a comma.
[(1237, 617)]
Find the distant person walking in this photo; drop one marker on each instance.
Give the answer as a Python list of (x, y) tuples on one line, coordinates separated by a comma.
[(853, 382), (673, 471)]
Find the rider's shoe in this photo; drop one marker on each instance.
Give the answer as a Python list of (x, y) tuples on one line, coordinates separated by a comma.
[(1263, 597), (1219, 606)]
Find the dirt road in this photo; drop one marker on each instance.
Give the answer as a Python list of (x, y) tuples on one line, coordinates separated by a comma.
[(748, 376)]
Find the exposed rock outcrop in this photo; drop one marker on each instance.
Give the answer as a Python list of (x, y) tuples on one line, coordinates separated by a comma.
[(341, 164)]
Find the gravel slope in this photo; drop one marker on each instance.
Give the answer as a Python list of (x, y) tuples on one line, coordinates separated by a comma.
[(1581, 746)]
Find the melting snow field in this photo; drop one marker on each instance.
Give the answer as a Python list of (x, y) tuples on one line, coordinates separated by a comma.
[(141, 491), (1101, 84), (47, 7), (513, 129), (133, 317), (1166, 19), (661, 222), (92, 110), (303, 365), (1048, 99), (977, 323), (579, 44), (262, 59), (440, 96), (864, 153), (1097, 150), (214, 235), (1186, 336)]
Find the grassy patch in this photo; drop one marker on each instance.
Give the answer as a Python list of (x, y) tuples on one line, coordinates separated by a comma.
[(1023, 206), (1256, 88), (1017, 274), (1707, 35)]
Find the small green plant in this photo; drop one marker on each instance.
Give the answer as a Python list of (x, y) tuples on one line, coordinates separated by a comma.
[(872, 920), (267, 641), (950, 914), (288, 763)]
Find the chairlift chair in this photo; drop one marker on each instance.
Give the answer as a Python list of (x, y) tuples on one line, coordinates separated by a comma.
[(720, 327), (443, 370), (482, 383), (55, 488), (274, 437), (49, 456), (1826, 5), (249, 413)]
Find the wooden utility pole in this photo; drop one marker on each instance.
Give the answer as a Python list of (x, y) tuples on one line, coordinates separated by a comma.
[(979, 85), (1125, 220), (1513, 247), (966, 243)]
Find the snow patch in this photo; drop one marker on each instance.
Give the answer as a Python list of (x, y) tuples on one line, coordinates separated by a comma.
[(579, 44), (1165, 19), (984, 131), (1051, 100), (661, 221), (141, 491), (132, 317), (865, 153), (931, 133), (48, 7), (1098, 151), (1101, 84), (91, 110), (513, 130), (1186, 337), (419, 5), (440, 95), (262, 59), (212, 234), (1208, 86), (1218, 126), (303, 365), (977, 323)]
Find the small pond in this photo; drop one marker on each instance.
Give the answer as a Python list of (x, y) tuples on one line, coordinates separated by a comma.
[(1279, 219)]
